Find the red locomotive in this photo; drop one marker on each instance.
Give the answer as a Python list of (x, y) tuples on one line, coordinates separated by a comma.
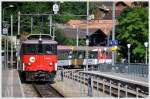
[(39, 58)]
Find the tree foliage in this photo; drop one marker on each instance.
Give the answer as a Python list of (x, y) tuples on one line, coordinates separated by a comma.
[(68, 9), (67, 41), (133, 29)]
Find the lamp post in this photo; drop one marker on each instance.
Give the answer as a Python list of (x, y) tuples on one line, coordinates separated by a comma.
[(146, 46), (10, 6), (6, 48), (128, 45)]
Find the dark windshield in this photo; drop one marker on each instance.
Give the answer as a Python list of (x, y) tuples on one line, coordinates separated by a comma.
[(32, 49), (31, 37)]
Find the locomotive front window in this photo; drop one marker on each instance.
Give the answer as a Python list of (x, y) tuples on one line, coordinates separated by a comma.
[(50, 49), (39, 49), (29, 49)]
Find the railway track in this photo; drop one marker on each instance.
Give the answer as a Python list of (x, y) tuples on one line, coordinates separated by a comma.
[(46, 90)]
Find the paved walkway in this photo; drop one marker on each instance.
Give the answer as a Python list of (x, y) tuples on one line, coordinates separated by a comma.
[(11, 84), (71, 88), (122, 77)]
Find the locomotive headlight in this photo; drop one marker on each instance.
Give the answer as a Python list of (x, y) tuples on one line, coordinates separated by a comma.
[(32, 59), (50, 63), (29, 64)]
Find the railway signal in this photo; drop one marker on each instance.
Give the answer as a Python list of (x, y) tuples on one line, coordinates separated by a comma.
[(55, 8)]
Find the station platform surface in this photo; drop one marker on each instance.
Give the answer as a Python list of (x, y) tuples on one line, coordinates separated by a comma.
[(71, 88), (11, 84), (122, 77)]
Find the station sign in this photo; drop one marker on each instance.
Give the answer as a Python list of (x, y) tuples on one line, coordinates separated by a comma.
[(5, 31), (114, 42)]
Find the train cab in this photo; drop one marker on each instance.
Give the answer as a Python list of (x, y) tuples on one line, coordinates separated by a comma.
[(39, 59)]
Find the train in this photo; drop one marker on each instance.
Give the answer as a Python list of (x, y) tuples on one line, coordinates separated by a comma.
[(75, 57), (80, 63), (38, 57)]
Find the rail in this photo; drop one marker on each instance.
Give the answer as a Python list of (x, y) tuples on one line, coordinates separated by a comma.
[(45, 90)]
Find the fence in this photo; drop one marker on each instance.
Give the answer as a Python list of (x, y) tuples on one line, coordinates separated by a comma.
[(137, 70), (98, 86)]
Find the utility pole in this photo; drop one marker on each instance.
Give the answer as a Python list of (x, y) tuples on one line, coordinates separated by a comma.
[(19, 23), (113, 32), (50, 25), (87, 31), (77, 44), (54, 32), (17, 42), (12, 41), (31, 25), (42, 30)]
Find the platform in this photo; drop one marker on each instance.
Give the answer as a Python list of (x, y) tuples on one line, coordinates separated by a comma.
[(122, 77), (71, 88), (11, 84)]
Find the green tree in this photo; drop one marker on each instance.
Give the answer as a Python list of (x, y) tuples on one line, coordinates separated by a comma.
[(133, 29), (61, 39), (66, 8), (69, 9)]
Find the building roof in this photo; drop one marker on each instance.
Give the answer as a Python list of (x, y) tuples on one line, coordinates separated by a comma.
[(128, 3), (104, 25), (72, 32), (108, 15)]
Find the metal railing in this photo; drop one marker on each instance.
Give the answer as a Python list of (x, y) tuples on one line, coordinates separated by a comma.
[(98, 86), (137, 70)]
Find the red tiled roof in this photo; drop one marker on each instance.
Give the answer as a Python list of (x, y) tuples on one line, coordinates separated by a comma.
[(128, 3), (108, 15), (104, 25)]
